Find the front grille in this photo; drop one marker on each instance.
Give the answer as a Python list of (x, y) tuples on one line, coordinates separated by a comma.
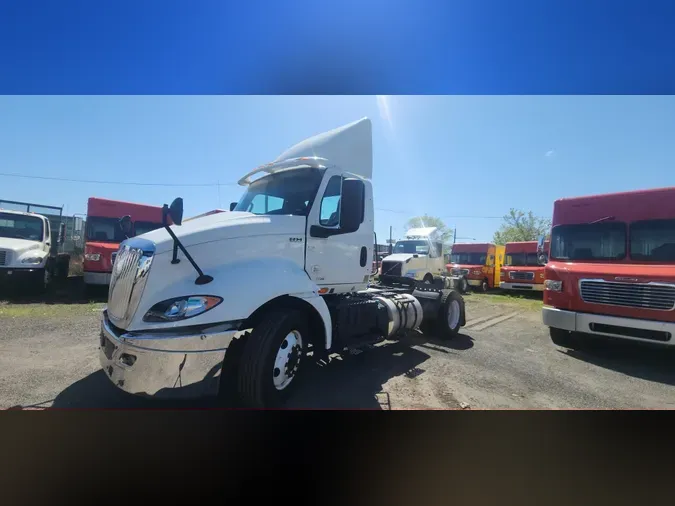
[(638, 295), (4, 257), (390, 268), (460, 272), (128, 279), (524, 276)]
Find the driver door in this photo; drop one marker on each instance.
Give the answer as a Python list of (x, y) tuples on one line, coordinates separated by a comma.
[(343, 260)]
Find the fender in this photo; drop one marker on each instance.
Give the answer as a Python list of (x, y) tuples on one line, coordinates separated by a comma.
[(244, 285)]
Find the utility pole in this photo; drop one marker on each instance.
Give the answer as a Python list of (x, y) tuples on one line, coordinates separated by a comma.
[(391, 246)]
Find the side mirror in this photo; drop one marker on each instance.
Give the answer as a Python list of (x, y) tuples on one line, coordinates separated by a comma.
[(233, 205), (320, 232), (174, 211), (125, 225), (62, 233), (351, 208), (540, 244)]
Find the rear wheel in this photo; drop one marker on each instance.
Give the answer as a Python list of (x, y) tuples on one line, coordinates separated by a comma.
[(450, 315), (565, 338), (271, 359), (463, 285)]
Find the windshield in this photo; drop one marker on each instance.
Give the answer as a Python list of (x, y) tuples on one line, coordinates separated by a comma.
[(593, 241), (142, 227), (104, 230), (18, 226), (289, 192), (521, 260), (653, 241), (412, 247), (469, 258)]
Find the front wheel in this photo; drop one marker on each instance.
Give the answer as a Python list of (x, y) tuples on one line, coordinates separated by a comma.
[(484, 286), (463, 285), (271, 359)]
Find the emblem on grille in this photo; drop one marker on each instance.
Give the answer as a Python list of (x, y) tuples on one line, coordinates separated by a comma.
[(619, 278)]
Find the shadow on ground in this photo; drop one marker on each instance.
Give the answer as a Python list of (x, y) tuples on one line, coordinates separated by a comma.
[(638, 361), (67, 291), (347, 382)]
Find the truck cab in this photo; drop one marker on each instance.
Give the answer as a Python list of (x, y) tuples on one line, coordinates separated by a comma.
[(479, 263), (26, 247), (239, 298), (522, 269), (419, 256), (611, 268)]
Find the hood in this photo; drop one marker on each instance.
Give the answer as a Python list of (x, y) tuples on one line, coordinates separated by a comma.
[(398, 257), (19, 245), (231, 225), (570, 298)]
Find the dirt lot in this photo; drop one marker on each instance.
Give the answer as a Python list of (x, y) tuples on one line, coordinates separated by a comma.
[(502, 359)]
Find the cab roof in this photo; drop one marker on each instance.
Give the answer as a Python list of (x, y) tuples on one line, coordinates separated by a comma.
[(421, 232)]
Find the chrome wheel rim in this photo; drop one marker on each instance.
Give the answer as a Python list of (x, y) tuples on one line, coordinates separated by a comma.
[(287, 361), (453, 314)]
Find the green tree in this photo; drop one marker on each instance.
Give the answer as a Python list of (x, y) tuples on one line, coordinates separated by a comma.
[(430, 221), (520, 226)]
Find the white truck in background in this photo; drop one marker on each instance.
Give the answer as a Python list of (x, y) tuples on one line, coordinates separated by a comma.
[(419, 256), (29, 251), (241, 297)]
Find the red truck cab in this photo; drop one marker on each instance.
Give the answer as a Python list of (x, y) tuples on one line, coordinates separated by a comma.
[(611, 268), (104, 234), (521, 269), (479, 263)]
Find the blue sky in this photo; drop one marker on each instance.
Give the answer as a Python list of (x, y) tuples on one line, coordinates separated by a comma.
[(447, 156)]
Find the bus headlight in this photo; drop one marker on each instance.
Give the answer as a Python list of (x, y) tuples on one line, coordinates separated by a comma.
[(553, 285), (93, 257)]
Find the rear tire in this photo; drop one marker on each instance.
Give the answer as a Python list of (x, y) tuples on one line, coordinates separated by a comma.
[(463, 285), (450, 315), (564, 338), (272, 359)]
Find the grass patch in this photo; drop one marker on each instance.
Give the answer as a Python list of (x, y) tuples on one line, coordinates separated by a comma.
[(529, 301), (38, 310)]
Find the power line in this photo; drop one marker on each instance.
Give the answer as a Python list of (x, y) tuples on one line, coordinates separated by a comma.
[(200, 185), (130, 183)]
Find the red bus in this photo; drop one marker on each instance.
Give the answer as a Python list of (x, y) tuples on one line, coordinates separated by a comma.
[(104, 233), (611, 268), (521, 269)]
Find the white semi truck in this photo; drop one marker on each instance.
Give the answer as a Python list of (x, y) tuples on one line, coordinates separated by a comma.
[(30, 251), (419, 256), (241, 297)]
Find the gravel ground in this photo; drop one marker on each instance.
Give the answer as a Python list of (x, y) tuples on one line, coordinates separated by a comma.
[(502, 359)]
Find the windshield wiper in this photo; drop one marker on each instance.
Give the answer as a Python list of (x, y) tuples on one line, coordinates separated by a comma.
[(606, 218)]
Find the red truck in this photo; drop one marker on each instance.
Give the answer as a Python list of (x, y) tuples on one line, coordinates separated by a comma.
[(479, 263), (105, 232), (522, 269), (611, 268)]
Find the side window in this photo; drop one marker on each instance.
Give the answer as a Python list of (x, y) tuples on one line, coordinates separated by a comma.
[(492, 261), (330, 203)]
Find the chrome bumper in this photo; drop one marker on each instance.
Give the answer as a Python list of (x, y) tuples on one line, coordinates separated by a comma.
[(474, 282), (530, 287), (585, 322), (165, 366), (97, 278)]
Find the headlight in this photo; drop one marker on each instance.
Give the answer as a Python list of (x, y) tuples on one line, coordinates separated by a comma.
[(32, 260), (181, 308), (552, 285), (94, 257)]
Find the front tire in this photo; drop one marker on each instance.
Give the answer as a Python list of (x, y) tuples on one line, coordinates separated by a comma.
[(272, 359), (450, 315), (463, 285)]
